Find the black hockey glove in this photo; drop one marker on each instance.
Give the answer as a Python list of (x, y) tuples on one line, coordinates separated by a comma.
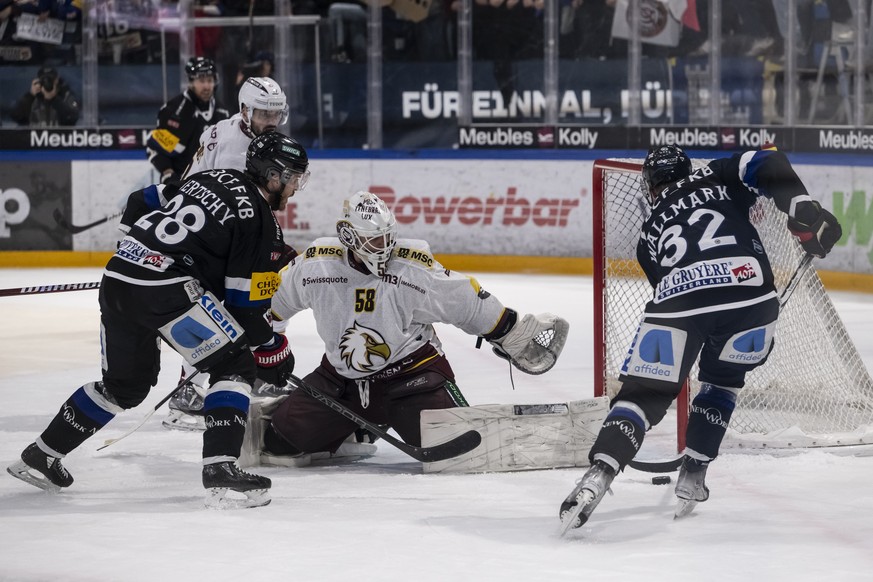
[(816, 228), (275, 361)]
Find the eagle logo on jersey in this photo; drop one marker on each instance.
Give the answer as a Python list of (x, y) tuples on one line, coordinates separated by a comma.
[(364, 349)]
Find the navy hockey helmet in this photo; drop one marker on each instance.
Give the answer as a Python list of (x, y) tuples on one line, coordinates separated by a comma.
[(664, 165), (199, 67), (273, 154)]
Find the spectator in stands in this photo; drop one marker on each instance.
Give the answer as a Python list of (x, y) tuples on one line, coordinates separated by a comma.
[(181, 121), (50, 102)]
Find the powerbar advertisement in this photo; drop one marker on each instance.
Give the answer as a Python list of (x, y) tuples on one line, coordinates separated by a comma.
[(474, 206)]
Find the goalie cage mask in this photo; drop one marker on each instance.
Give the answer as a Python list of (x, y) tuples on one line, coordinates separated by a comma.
[(369, 230)]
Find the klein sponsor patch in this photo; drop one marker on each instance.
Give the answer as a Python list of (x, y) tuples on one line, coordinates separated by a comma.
[(724, 272), (264, 285), (166, 140)]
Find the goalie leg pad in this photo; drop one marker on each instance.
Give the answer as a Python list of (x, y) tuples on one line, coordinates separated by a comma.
[(516, 437)]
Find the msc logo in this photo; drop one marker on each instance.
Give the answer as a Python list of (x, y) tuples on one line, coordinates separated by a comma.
[(656, 353), (749, 346)]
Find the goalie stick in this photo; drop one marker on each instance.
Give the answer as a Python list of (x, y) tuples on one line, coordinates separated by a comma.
[(178, 387), (673, 464), (73, 229), (459, 445), (60, 288)]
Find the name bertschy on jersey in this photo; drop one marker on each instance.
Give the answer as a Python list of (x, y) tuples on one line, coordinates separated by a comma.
[(213, 203)]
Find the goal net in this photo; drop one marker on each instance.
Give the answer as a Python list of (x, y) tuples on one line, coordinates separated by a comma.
[(813, 391)]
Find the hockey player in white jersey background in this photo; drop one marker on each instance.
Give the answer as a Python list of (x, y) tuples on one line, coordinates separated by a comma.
[(713, 295), (262, 108), (374, 299)]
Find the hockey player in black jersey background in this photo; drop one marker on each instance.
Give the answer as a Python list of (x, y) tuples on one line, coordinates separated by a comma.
[(713, 295), (172, 144), (198, 273)]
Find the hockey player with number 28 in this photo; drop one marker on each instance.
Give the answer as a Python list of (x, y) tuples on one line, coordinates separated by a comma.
[(375, 300), (713, 295), (262, 108), (198, 274)]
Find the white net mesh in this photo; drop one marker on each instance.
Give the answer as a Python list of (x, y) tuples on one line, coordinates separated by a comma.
[(813, 391)]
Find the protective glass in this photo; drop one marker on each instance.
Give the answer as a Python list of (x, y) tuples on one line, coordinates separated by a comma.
[(270, 117)]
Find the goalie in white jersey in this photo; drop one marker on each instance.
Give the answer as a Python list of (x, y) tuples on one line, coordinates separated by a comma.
[(375, 299)]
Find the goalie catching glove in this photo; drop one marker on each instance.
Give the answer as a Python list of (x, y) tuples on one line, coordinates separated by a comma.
[(534, 343), (275, 361), (816, 228)]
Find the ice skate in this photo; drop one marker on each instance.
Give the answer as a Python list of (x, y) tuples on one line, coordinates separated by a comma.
[(186, 409), (580, 504), (690, 487), (219, 478), (268, 394), (41, 470)]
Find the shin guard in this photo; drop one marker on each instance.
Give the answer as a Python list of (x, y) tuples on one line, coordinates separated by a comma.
[(711, 412), (83, 414), (225, 411), (621, 435)]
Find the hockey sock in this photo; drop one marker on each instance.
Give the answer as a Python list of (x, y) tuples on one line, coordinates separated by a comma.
[(710, 414), (621, 435), (226, 411), (82, 415)]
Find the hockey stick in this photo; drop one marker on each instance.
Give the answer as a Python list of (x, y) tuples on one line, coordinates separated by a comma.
[(178, 387), (805, 262), (49, 288), (72, 228), (674, 464), (457, 446)]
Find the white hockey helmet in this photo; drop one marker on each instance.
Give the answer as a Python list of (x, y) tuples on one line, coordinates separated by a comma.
[(263, 93), (368, 228)]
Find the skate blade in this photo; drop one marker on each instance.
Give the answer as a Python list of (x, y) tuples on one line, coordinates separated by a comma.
[(177, 420), (573, 517), (22, 470), (216, 498), (684, 507)]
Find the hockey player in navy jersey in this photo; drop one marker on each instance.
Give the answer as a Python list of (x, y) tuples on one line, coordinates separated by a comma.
[(198, 273), (713, 291)]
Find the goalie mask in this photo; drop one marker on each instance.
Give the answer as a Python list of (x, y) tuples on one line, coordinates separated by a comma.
[(369, 230), (663, 165), (262, 104)]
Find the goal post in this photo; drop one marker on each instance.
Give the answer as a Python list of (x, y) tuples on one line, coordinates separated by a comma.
[(813, 391)]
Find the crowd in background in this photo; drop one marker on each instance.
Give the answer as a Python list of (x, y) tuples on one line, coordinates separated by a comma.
[(38, 33)]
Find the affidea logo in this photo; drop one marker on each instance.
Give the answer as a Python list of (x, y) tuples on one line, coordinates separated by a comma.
[(749, 346), (656, 353)]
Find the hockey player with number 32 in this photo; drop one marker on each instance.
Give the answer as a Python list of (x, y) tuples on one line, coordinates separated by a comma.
[(713, 295), (375, 299), (198, 274)]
